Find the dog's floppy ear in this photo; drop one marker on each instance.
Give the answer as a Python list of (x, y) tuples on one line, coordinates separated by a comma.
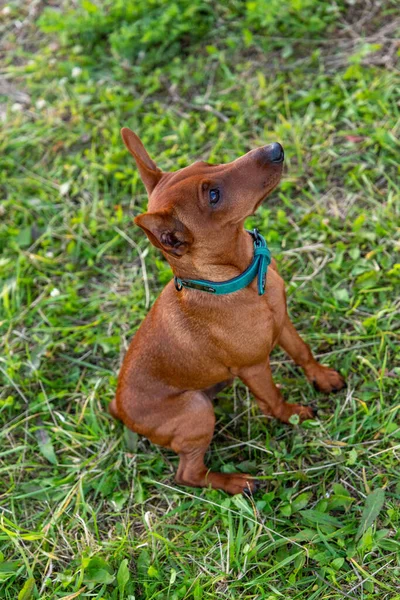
[(149, 172), (166, 232)]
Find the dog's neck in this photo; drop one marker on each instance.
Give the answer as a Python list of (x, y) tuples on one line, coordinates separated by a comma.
[(226, 258)]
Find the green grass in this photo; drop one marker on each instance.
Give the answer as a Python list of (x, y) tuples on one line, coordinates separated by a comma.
[(88, 510)]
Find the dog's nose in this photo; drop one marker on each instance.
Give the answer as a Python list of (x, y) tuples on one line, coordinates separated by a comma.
[(275, 153)]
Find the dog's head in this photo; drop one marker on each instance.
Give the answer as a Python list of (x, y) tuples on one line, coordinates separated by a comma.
[(201, 205)]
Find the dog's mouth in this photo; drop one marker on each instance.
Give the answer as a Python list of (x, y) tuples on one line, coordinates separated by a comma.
[(266, 194)]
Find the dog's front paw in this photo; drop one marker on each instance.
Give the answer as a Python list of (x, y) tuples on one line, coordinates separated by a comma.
[(327, 380), (295, 413), (305, 412)]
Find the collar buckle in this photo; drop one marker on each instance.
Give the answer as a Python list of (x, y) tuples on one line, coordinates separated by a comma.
[(256, 236), (178, 285)]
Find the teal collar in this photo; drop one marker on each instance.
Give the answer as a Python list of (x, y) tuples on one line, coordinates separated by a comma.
[(258, 267)]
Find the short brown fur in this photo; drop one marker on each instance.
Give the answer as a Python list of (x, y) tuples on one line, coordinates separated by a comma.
[(192, 343)]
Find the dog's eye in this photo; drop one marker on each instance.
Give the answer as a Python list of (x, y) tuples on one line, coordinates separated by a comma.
[(214, 197)]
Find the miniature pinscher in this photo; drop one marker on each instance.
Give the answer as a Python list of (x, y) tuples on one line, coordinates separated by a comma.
[(210, 324)]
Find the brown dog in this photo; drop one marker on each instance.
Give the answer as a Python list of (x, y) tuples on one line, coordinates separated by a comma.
[(192, 343)]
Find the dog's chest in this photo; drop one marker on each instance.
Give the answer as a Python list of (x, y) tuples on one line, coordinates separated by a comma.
[(247, 335)]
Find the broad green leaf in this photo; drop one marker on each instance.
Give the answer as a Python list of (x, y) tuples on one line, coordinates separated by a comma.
[(118, 499), (152, 571), (27, 590), (337, 563), (323, 557), (340, 490), (301, 501), (122, 576), (8, 569), (286, 510), (372, 508), (340, 498), (352, 457), (198, 592), (143, 563), (9, 566), (24, 239), (46, 446), (172, 577), (342, 295), (305, 535), (316, 517), (98, 571), (367, 541)]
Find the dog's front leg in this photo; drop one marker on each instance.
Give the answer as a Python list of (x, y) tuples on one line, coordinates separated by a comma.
[(323, 378), (258, 379)]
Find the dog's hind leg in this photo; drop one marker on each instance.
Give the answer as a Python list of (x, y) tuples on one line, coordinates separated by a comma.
[(184, 423), (323, 378), (193, 435), (112, 409)]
